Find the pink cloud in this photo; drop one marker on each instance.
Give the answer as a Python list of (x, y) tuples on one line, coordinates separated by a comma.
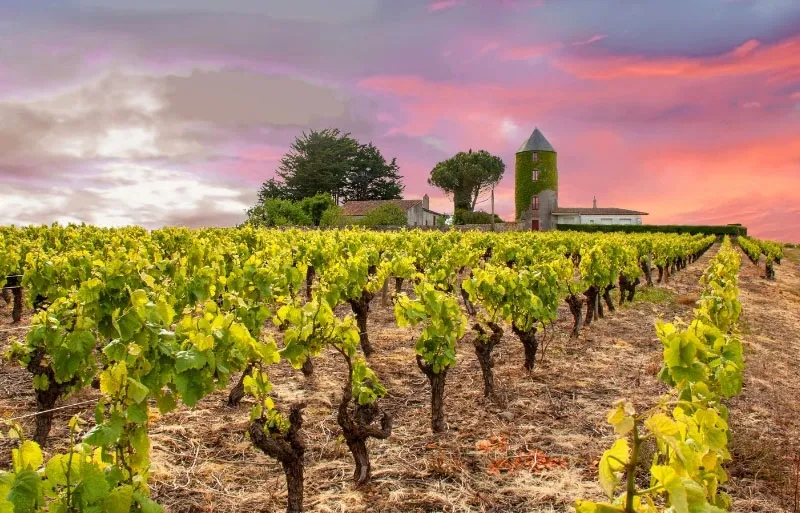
[(444, 4), (591, 40), (782, 60), (524, 53), (489, 47)]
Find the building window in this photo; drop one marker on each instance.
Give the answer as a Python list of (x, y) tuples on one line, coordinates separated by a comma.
[(535, 156), (535, 203), (535, 175)]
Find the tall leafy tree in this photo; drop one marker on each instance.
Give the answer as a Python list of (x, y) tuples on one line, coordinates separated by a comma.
[(319, 161), (466, 175), (371, 177), (272, 189), (331, 162)]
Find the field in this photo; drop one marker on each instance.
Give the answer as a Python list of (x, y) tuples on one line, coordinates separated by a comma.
[(534, 446)]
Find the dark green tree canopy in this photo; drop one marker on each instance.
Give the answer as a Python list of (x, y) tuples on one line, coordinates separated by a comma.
[(466, 175), (331, 162), (371, 177)]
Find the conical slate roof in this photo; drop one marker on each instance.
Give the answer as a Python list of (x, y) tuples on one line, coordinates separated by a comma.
[(536, 142)]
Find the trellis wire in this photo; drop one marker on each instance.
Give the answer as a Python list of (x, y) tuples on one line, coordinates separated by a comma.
[(47, 411)]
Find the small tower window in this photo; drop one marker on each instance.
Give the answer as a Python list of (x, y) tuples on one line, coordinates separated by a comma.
[(535, 175), (535, 203), (535, 156)]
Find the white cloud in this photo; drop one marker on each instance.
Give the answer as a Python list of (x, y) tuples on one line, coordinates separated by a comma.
[(128, 142), (510, 129), (436, 143), (125, 194)]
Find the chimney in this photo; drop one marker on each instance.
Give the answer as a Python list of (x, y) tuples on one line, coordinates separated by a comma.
[(425, 201), (594, 202)]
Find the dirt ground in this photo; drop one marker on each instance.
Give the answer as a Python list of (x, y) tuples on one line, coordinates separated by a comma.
[(533, 448)]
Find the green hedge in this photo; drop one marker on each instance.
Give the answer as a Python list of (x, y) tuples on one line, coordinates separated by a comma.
[(657, 228), (479, 217)]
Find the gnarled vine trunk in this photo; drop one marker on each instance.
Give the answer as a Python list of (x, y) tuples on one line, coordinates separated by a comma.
[(663, 273), (529, 343), (593, 308), (237, 392), (627, 289), (575, 304), (770, 270), (357, 426), (16, 313), (308, 367), (288, 448), (484, 345), (468, 306), (398, 284), (648, 273), (13, 294), (310, 274), (360, 308), (438, 424), (607, 297), (45, 399)]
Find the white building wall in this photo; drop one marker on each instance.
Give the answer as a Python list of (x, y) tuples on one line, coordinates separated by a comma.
[(428, 219), (617, 219)]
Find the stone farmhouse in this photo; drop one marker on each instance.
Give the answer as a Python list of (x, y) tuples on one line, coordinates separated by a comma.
[(417, 210)]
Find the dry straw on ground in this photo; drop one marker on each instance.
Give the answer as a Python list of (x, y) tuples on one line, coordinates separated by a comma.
[(203, 462)]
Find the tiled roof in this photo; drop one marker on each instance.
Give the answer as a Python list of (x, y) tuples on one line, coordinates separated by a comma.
[(598, 211), (536, 142), (362, 208)]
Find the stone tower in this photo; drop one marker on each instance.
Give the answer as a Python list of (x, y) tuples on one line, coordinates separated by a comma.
[(536, 180)]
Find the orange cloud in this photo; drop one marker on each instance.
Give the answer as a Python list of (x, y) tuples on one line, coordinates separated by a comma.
[(781, 60), (524, 53)]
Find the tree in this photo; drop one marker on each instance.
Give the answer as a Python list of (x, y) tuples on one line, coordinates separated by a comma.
[(272, 189), (466, 175), (331, 162), (372, 178), (319, 161)]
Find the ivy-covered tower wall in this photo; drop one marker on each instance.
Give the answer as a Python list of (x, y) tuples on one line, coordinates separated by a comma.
[(525, 186)]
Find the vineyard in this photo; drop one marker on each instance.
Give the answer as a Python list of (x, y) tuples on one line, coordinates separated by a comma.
[(350, 370)]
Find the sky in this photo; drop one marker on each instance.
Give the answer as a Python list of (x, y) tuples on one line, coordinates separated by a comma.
[(173, 112)]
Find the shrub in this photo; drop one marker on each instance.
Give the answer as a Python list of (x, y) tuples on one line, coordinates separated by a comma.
[(479, 217), (385, 215), (278, 212), (316, 205), (333, 216)]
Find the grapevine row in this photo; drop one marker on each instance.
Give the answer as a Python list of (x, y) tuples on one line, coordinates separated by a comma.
[(703, 365), (169, 316), (754, 248)]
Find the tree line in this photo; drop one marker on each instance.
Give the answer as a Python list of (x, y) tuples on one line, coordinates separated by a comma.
[(324, 169)]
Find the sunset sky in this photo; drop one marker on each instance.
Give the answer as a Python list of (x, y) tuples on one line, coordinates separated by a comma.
[(162, 112)]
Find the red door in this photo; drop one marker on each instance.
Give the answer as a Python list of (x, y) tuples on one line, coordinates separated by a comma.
[(535, 225)]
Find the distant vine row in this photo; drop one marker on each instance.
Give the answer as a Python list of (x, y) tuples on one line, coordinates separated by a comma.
[(703, 364)]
